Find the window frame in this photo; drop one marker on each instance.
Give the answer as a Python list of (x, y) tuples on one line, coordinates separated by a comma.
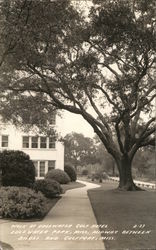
[(36, 167), (41, 143), (53, 142), (36, 142), (5, 141), (42, 161), (28, 142), (51, 167)]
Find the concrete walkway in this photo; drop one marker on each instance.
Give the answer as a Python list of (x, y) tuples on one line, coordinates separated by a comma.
[(71, 224)]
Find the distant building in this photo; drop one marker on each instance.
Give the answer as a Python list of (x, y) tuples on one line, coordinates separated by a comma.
[(45, 152)]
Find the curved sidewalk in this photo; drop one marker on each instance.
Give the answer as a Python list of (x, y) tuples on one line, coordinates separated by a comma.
[(71, 224)]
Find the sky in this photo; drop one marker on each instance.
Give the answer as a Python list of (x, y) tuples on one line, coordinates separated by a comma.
[(73, 123)]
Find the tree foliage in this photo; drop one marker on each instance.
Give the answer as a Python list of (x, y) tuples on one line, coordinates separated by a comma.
[(101, 67), (79, 150), (17, 169), (71, 172), (144, 163)]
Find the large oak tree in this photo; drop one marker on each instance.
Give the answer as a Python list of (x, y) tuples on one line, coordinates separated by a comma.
[(99, 65)]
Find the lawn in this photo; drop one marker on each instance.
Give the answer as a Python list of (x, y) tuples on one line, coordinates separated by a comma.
[(121, 210)]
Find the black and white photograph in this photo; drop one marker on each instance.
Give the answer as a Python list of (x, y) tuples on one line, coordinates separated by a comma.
[(77, 125)]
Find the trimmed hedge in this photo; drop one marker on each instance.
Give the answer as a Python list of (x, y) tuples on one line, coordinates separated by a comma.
[(58, 175), (17, 169), (71, 172), (50, 188), (21, 203)]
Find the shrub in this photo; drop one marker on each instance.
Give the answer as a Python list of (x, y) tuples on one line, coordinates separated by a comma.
[(58, 175), (21, 202), (17, 169), (50, 188), (71, 172), (105, 176), (84, 172), (99, 176)]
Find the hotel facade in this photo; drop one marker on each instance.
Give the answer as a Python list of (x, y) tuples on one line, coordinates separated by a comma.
[(45, 152)]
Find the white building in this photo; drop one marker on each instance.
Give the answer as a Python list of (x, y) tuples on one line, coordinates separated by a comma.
[(45, 152)]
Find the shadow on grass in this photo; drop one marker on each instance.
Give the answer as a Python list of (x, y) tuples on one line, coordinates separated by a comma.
[(134, 212)]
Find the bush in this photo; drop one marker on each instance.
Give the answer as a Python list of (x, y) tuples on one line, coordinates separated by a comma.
[(21, 202), (84, 172), (58, 175), (71, 172), (17, 169), (105, 176), (50, 188), (99, 176)]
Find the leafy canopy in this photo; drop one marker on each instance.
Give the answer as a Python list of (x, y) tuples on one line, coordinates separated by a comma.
[(101, 67)]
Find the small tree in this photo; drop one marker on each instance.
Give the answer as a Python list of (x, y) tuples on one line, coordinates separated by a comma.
[(17, 169), (79, 150)]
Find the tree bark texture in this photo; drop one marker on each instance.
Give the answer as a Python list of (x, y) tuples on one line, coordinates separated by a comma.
[(125, 175)]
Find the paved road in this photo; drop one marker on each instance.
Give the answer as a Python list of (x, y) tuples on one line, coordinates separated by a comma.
[(71, 224)]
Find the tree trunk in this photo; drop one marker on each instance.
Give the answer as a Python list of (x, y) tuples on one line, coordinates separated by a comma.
[(113, 167), (125, 175)]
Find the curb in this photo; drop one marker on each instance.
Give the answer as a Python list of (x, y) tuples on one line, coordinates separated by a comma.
[(139, 183)]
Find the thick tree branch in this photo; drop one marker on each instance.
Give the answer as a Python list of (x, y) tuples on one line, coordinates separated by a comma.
[(119, 136), (142, 141), (143, 104), (61, 105), (151, 142), (107, 96), (105, 64), (134, 123), (97, 110), (147, 125)]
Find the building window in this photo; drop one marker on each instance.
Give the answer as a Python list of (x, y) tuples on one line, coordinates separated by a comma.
[(34, 142), (42, 168), (51, 142), (51, 165), (43, 142), (25, 141), (37, 142), (4, 141), (36, 167)]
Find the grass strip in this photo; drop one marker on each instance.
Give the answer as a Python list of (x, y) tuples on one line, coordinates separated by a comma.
[(130, 211)]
